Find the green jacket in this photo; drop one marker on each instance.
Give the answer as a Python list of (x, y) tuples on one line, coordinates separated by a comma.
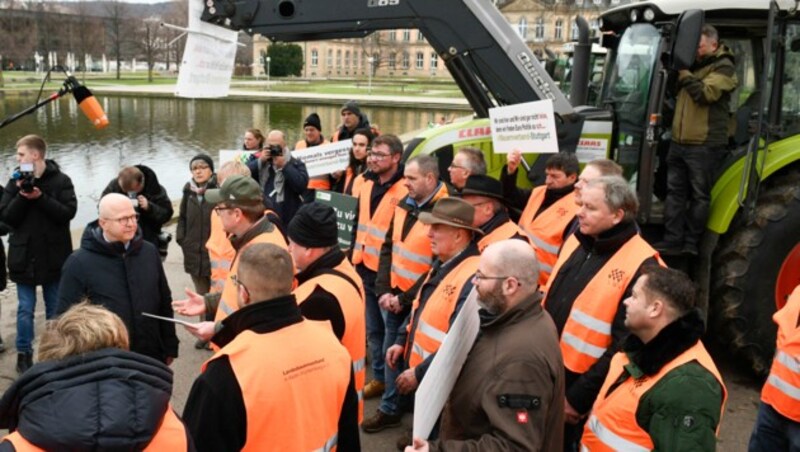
[(682, 411), (702, 108)]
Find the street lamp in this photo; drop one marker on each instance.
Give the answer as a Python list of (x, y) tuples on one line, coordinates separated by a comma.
[(371, 61), (268, 60)]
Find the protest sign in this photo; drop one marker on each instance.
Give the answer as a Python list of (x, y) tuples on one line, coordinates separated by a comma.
[(345, 207), (529, 127), (325, 158)]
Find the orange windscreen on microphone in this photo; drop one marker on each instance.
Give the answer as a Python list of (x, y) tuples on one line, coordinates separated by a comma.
[(92, 109)]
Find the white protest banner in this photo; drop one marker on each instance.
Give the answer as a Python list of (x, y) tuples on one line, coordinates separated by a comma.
[(325, 158), (529, 127), (208, 58), (441, 376)]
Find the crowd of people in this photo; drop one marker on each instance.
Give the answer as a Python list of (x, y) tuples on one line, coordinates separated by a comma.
[(587, 340)]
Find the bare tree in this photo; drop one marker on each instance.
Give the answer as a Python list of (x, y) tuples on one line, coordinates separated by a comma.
[(117, 16), (177, 14), (384, 49), (149, 42)]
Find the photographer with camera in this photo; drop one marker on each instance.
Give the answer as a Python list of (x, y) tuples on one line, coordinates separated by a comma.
[(38, 203), (283, 178), (150, 200)]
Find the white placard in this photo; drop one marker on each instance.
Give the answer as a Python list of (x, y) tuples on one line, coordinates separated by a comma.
[(207, 65), (325, 158), (529, 127), (445, 368)]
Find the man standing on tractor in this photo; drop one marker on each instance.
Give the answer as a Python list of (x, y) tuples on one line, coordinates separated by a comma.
[(699, 137)]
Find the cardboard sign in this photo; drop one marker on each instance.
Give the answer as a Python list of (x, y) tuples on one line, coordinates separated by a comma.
[(529, 127), (346, 208), (325, 158)]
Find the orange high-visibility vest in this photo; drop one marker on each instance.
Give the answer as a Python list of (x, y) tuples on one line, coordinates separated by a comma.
[(220, 254), (171, 436), (412, 256), (349, 292), (507, 230), (229, 303), (587, 334), (612, 425), (372, 229), (547, 229), (322, 182), (782, 389), (293, 381), (434, 320), (353, 182)]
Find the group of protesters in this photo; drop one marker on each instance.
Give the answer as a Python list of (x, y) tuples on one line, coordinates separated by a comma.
[(586, 339)]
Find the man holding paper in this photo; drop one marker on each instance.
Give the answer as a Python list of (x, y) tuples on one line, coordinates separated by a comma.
[(116, 268), (510, 392)]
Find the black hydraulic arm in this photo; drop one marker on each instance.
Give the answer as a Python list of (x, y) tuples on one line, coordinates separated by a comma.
[(487, 58)]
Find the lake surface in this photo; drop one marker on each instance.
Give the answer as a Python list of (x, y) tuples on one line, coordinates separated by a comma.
[(163, 134)]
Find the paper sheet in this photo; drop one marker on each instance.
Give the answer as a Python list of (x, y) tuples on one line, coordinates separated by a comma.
[(170, 319)]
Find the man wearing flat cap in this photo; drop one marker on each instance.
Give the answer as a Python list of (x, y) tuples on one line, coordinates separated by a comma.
[(486, 196), (328, 287), (239, 204), (446, 287), (352, 119)]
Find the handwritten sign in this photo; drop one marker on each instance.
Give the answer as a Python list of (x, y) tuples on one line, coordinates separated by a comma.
[(345, 207), (529, 127), (325, 158)]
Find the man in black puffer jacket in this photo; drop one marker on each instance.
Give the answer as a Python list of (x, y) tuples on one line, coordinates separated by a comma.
[(38, 204), (116, 268), (150, 199)]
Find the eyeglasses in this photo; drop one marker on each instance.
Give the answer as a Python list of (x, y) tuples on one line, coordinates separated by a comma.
[(454, 166), (125, 220), (478, 276), (377, 155), (235, 280)]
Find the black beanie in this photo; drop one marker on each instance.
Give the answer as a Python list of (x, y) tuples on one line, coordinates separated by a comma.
[(352, 106), (204, 158), (313, 121), (314, 226)]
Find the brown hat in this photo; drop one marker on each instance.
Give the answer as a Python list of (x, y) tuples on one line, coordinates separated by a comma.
[(453, 212)]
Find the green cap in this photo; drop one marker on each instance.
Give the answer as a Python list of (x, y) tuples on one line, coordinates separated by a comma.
[(236, 189)]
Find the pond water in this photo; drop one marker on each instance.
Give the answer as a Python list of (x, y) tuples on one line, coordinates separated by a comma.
[(163, 134)]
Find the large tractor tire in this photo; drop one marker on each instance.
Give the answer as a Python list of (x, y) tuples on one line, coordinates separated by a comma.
[(755, 267)]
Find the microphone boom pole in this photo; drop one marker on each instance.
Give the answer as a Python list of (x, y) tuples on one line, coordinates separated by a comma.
[(34, 107)]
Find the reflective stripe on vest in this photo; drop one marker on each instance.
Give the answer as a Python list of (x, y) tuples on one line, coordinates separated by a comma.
[(372, 229), (434, 321), (293, 381), (229, 303), (507, 230), (220, 254), (613, 425), (547, 230), (352, 302), (171, 436), (330, 444), (412, 255), (587, 333), (782, 389)]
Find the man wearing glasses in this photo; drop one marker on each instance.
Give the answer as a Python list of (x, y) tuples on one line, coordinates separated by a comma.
[(467, 162), (382, 189), (116, 268)]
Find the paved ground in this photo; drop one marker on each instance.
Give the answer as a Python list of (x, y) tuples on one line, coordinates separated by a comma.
[(736, 427)]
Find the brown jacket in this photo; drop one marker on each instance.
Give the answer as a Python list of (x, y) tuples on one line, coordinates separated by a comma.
[(510, 394)]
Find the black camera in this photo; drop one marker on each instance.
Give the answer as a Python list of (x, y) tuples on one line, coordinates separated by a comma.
[(275, 150), (25, 174)]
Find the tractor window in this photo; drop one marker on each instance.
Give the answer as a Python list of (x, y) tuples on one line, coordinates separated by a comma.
[(790, 110)]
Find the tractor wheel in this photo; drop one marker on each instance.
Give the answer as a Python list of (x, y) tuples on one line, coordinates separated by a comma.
[(755, 268)]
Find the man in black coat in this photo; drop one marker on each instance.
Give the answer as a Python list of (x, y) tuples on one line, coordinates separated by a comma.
[(148, 197), (38, 203), (116, 268), (283, 178)]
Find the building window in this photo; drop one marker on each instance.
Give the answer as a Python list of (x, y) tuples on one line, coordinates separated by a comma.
[(434, 61), (406, 60), (540, 28), (347, 59), (522, 27), (406, 35), (420, 36), (392, 35), (339, 58), (595, 27), (574, 33), (314, 58), (420, 60), (329, 60), (392, 60), (559, 29)]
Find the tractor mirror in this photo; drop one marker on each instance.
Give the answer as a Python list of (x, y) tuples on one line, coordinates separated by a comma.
[(687, 37)]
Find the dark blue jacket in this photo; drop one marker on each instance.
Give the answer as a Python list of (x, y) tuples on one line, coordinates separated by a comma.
[(295, 185)]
